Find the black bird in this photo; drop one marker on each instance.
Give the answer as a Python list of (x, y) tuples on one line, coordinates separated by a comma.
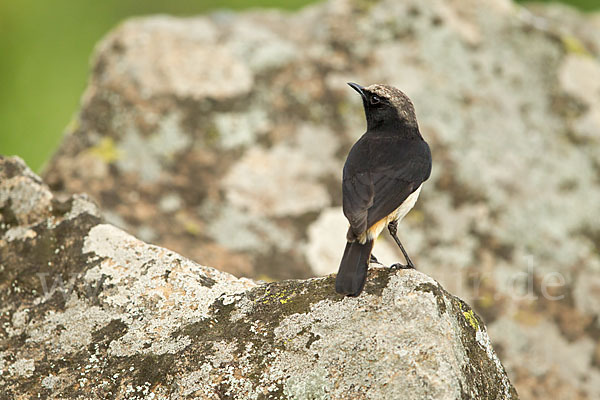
[(383, 175)]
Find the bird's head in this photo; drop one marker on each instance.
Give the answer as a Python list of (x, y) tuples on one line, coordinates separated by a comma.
[(386, 105)]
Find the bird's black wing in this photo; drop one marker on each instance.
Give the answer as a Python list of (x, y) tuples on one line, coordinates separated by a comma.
[(379, 174), (358, 190)]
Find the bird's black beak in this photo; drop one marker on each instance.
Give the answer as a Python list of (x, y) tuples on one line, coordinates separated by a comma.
[(358, 88)]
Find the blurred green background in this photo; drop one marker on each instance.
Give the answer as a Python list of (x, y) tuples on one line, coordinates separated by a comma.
[(45, 48)]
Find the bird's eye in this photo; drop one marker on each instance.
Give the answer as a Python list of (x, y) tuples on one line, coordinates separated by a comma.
[(375, 99)]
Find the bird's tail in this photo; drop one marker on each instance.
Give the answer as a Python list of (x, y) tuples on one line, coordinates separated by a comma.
[(352, 274)]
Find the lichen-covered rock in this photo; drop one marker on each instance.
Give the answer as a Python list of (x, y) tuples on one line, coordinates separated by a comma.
[(89, 311), (222, 137)]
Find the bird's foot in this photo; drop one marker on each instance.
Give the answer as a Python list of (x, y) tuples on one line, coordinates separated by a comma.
[(402, 266)]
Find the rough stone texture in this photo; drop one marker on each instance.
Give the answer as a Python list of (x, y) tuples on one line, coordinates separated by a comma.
[(222, 138), (89, 311)]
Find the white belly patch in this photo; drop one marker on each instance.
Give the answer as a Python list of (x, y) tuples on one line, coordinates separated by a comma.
[(408, 204), (397, 215)]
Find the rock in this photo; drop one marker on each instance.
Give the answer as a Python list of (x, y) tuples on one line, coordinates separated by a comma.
[(89, 311), (222, 138)]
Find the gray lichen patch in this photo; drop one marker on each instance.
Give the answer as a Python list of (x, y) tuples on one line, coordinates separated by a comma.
[(27, 199), (20, 233), (241, 129), (80, 204), (275, 182), (78, 322), (50, 382), (174, 289), (194, 79), (264, 49), (2, 363), (24, 199), (241, 229), (146, 156), (22, 368)]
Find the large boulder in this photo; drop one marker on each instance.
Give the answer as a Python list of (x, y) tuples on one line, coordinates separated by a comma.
[(89, 311), (222, 137)]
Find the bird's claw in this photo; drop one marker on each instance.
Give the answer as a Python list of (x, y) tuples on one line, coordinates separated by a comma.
[(402, 266)]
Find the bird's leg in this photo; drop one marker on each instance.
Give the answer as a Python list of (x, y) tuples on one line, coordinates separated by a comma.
[(393, 228), (374, 260)]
